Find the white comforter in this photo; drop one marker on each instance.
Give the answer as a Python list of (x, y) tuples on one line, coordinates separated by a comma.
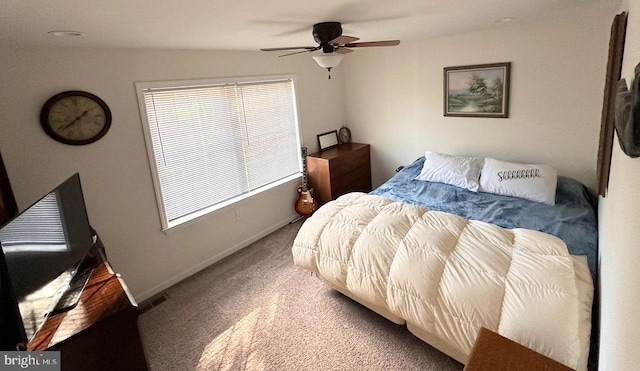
[(447, 276)]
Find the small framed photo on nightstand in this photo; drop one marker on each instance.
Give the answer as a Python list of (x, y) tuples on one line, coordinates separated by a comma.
[(328, 140)]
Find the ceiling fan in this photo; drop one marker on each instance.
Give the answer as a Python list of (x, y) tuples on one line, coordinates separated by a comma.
[(333, 44)]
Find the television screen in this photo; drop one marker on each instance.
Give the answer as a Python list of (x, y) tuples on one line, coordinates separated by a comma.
[(43, 247)]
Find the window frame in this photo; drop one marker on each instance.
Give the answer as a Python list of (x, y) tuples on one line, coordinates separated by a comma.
[(166, 224)]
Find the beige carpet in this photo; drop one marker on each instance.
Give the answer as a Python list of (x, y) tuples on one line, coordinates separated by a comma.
[(255, 310)]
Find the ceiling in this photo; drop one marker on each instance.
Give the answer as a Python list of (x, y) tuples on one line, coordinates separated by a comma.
[(254, 24)]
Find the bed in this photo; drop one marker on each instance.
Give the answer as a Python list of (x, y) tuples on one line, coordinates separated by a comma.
[(448, 259)]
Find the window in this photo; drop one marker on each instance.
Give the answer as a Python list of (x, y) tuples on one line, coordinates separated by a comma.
[(38, 228), (212, 143)]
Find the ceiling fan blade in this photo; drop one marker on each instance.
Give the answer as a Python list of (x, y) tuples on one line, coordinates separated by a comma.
[(288, 48), (373, 43), (303, 51), (343, 50), (344, 39)]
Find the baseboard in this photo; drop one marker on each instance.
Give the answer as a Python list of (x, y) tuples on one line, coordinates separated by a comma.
[(197, 268)]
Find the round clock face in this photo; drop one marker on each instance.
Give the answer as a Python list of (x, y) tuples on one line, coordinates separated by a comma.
[(344, 134), (75, 117)]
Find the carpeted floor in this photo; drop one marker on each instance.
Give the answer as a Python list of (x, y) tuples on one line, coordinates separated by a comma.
[(255, 310)]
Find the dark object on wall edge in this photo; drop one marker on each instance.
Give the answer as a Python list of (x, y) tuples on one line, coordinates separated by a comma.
[(628, 115), (614, 67), (8, 206)]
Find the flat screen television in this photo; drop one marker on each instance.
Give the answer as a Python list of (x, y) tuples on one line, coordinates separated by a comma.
[(42, 250)]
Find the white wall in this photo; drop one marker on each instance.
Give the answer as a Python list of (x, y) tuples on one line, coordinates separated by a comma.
[(115, 170), (395, 97), (620, 238)]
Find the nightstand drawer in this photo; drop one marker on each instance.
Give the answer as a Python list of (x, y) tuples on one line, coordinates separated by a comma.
[(339, 170), (343, 165), (357, 180)]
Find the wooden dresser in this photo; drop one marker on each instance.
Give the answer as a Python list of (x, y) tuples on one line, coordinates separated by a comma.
[(339, 170), (101, 332)]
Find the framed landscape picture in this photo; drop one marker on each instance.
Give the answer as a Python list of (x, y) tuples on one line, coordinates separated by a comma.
[(480, 90)]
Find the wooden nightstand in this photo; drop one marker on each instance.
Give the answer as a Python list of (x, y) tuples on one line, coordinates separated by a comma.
[(339, 170), (494, 352)]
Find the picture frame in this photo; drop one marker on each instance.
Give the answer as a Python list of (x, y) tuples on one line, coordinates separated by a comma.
[(480, 90), (328, 140)]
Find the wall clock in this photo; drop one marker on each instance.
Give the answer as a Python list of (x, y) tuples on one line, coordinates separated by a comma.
[(344, 134), (75, 117)]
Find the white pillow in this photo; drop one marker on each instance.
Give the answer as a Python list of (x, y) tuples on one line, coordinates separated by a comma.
[(528, 181), (458, 171)]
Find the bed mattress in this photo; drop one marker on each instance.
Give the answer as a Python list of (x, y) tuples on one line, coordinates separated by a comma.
[(447, 276)]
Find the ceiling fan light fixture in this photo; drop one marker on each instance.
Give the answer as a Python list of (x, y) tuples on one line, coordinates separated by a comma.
[(333, 44), (328, 60)]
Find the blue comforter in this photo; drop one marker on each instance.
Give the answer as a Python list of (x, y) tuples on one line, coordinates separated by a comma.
[(573, 218)]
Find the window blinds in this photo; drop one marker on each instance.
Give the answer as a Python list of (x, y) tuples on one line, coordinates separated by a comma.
[(214, 144), (41, 224)]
